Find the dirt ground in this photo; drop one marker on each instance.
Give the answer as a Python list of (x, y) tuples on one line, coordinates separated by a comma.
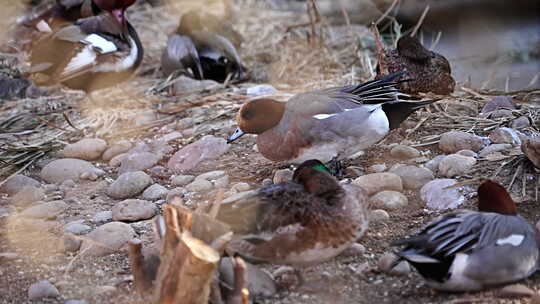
[(345, 279)]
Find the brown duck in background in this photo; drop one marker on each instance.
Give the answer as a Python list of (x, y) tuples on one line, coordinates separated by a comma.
[(205, 45), (429, 71), (94, 53)]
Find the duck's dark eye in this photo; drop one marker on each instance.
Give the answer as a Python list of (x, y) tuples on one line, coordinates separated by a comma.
[(248, 114)]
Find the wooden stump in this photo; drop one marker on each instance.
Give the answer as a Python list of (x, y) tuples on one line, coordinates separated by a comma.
[(187, 263)]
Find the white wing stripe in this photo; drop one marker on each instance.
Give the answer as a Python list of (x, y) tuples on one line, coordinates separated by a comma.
[(514, 240), (84, 58), (103, 45)]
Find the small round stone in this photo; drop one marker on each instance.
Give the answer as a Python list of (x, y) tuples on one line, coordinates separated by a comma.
[(389, 200), (42, 289), (283, 175), (379, 215), (403, 152), (182, 180), (199, 185)]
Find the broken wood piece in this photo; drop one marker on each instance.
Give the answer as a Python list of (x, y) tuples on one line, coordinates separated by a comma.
[(208, 229), (240, 293), (187, 263), (142, 282)]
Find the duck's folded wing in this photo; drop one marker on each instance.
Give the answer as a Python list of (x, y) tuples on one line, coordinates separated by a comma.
[(268, 209), (181, 54), (463, 232)]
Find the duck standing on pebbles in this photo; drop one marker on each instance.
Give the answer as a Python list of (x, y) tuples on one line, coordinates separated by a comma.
[(470, 250), (302, 222), (327, 124), (96, 52)]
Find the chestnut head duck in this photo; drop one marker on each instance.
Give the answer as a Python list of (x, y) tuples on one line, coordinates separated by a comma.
[(206, 45), (429, 71), (302, 222), (96, 52), (473, 250), (325, 124)]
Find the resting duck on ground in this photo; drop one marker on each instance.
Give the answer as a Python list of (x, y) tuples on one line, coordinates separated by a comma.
[(472, 250), (96, 52), (206, 46), (325, 124), (302, 222)]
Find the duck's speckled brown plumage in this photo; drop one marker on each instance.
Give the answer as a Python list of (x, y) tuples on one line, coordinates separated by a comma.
[(430, 71), (301, 222)]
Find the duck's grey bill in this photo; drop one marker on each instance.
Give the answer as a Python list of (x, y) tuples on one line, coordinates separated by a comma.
[(237, 134)]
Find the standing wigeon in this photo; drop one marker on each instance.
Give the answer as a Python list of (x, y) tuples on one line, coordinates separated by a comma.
[(302, 222), (94, 53), (325, 124), (472, 250)]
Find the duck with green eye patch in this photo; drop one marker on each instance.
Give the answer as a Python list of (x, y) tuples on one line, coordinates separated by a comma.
[(302, 222)]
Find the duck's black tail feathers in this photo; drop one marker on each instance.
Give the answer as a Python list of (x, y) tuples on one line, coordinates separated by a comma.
[(398, 111), (379, 90)]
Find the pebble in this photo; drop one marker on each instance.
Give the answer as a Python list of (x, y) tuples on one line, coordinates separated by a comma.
[(189, 157), (403, 152), (173, 193), (354, 250), (413, 177), (354, 171), (498, 102), (377, 182), (159, 171), (531, 148), (520, 123), (387, 261), (468, 153), (199, 185), (117, 160), (515, 291), (261, 89), (505, 136), (454, 141), (379, 215), (185, 85), (389, 200), (437, 198), (15, 184), (377, 168), (221, 182), (87, 149), (102, 217), (433, 164), (260, 283), (63, 169), (283, 175), (455, 164), (42, 289), (494, 148), (28, 195), (138, 161), (212, 175), (75, 302), (129, 185), (155, 192), (113, 236), (8, 256), (49, 210), (119, 147), (71, 243), (182, 180), (133, 210), (241, 187), (77, 228)]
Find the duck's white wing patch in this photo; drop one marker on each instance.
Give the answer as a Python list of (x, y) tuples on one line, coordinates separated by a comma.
[(325, 116), (125, 64), (103, 45), (86, 57), (514, 240)]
